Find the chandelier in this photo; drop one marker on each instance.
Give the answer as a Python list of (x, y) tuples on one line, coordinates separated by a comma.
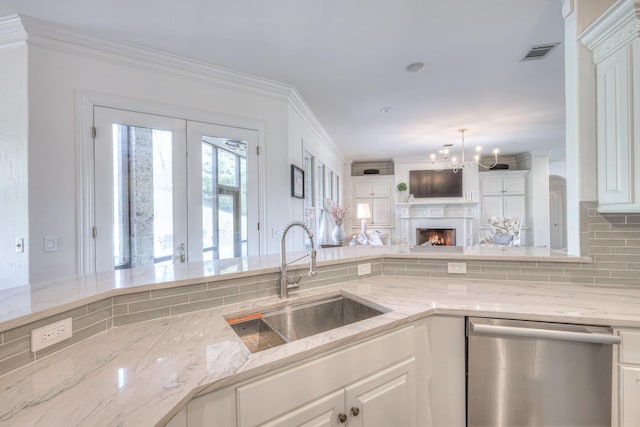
[(457, 164)]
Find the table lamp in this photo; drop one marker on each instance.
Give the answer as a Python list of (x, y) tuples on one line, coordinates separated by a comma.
[(363, 214)]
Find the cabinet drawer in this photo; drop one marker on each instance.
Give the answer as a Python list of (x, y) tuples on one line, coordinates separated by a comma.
[(630, 348), (265, 398)]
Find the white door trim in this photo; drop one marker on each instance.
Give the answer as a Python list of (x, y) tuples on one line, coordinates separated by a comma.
[(86, 101)]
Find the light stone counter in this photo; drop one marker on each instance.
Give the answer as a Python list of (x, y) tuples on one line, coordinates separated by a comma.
[(143, 373), (23, 304)]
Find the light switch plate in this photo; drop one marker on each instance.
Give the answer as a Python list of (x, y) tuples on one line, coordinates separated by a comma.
[(19, 245), (364, 269), (457, 267)]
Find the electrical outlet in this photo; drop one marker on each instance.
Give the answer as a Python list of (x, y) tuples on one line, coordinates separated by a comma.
[(457, 267), (364, 269), (50, 334)]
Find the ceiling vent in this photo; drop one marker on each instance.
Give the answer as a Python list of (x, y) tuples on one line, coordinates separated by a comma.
[(540, 51)]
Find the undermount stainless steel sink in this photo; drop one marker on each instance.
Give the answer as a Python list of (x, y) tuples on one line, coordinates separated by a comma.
[(289, 323)]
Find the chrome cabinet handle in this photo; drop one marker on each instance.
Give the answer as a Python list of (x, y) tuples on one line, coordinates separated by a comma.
[(515, 331)]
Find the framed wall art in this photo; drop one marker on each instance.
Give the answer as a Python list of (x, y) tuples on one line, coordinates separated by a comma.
[(297, 182)]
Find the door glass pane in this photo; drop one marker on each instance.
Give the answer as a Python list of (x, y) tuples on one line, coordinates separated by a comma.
[(227, 169), (209, 211), (226, 226), (243, 206), (142, 196), (224, 198)]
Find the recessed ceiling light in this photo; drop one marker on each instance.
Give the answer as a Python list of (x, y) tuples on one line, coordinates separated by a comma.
[(386, 109), (415, 67)]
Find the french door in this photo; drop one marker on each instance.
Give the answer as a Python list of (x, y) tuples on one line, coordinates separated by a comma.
[(170, 190), (222, 172)]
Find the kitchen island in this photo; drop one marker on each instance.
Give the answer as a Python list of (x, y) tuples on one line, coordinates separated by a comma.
[(144, 373)]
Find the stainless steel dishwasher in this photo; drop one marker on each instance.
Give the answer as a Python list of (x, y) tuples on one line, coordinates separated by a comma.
[(522, 373)]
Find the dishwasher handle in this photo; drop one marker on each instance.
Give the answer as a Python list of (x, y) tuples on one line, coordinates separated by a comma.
[(515, 331)]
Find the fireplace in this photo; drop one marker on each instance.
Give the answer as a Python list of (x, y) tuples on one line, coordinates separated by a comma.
[(435, 236)]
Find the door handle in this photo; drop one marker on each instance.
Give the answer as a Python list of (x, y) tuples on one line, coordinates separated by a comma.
[(515, 331), (182, 256)]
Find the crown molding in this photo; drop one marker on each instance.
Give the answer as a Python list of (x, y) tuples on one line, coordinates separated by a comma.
[(616, 27), (44, 34), (12, 32), (299, 106), (36, 32)]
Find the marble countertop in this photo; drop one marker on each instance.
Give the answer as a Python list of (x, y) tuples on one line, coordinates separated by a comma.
[(141, 374), (23, 304)]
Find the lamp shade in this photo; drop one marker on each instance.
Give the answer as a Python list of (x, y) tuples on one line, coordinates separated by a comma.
[(363, 211)]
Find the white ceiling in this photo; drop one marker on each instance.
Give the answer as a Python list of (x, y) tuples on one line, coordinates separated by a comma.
[(347, 58)]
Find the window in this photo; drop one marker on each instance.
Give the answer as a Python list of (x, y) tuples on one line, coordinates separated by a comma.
[(224, 198)]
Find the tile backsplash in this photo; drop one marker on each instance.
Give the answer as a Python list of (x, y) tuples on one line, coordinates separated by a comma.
[(613, 242)]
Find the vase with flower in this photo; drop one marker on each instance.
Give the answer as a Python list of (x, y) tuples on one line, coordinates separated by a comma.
[(338, 215)]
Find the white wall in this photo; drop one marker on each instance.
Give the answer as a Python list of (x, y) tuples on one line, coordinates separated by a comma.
[(538, 198), (558, 167), (13, 165), (57, 75), (580, 85), (305, 134)]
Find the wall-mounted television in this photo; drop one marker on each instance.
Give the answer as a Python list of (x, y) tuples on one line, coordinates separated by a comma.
[(435, 183)]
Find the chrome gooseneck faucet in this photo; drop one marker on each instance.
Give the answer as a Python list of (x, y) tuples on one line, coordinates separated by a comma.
[(287, 283)]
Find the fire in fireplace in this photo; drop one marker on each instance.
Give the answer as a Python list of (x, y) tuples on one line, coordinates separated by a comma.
[(435, 236)]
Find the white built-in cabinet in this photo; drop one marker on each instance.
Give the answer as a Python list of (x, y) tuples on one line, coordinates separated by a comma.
[(377, 191), (407, 377), (504, 194), (626, 380), (615, 44)]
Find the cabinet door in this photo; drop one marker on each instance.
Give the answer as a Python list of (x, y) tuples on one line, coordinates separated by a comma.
[(319, 413), (381, 189), (384, 399), (213, 409), (615, 167), (380, 212), (491, 185), (514, 206), (363, 190), (630, 390), (514, 185), (491, 206)]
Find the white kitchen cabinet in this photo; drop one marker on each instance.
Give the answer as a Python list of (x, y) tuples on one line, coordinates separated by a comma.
[(379, 186), (217, 408), (626, 382), (178, 420), (317, 392), (323, 412), (378, 192), (503, 194), (614, 42), (629, 396), (412, 376), (384, 399)]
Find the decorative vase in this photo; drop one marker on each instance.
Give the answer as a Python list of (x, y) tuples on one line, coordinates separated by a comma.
[(338, 234), (403, 196)]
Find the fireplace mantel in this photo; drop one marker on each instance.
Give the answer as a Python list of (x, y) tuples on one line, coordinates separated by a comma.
[(455, 215), (437, 210)]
